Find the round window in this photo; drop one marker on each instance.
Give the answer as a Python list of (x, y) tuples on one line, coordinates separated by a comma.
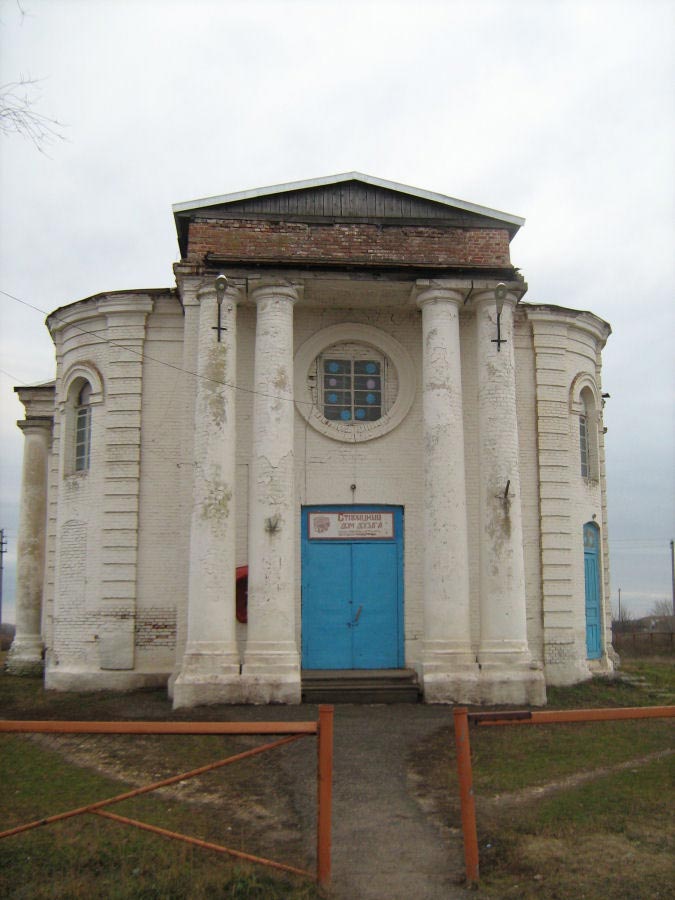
[(353, 382)]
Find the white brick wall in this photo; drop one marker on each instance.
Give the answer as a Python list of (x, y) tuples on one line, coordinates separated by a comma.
[(118, 536)]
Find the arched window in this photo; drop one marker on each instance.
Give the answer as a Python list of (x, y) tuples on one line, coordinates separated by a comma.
[(585, 409), (80, 390), (588, 436), (584, 454), (83, 428)]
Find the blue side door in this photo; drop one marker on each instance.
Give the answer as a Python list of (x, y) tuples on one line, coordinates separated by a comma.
[(352, 596), (592, 585)]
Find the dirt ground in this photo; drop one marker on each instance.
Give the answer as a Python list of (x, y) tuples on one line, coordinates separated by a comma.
[(385, 845), (396, 827)]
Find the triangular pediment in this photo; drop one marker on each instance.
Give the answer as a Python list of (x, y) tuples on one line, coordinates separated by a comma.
[(350, 197)]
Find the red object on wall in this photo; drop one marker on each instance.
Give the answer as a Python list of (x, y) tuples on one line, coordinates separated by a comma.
[(242, 594)]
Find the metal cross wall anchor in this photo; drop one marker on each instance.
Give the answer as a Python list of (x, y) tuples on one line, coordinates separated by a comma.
[(499, 340), (219, 328)]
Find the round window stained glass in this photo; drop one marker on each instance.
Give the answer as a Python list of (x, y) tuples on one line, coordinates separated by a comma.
[(353, 382)]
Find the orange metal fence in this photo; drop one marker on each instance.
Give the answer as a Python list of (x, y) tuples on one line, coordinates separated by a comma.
[(322, 728), (463, 718)]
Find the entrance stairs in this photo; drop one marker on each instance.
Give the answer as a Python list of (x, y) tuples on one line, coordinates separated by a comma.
[(360, 686)]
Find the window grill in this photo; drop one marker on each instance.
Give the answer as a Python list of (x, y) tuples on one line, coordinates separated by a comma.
[(83, 429), (583, 446)]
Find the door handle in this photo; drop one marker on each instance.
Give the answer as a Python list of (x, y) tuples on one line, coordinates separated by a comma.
[(356, 617)]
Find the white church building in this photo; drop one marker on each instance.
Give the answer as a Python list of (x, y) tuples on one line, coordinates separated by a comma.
[(346, 402)]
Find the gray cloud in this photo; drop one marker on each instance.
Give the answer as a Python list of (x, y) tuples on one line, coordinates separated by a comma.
[(557, 111)]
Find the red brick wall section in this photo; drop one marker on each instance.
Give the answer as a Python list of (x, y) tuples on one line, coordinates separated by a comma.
[(410, 244)]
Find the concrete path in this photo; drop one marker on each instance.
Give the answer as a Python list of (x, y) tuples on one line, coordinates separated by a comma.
[(384, 846)]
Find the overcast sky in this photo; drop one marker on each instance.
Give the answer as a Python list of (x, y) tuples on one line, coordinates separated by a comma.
[(561, 112)]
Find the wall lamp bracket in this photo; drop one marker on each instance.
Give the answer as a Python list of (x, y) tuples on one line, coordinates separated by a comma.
[(221, 287)]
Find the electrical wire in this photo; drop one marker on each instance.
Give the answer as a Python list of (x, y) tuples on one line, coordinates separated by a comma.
[(160, 362)]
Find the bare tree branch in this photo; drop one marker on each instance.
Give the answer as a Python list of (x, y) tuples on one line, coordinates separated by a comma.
[(661, 608), (19, 116)]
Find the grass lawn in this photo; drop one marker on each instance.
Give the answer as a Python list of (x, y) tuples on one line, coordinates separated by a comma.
[(574, 810), (90, 857), (564, 811)]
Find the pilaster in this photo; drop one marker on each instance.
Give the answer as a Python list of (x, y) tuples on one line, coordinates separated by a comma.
[(126, 327)]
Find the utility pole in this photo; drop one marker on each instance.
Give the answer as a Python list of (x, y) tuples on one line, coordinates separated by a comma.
[(3, 549), (619, 604), (672, 570)]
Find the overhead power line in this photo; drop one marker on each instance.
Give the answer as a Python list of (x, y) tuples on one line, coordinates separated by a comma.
[(160, 362)]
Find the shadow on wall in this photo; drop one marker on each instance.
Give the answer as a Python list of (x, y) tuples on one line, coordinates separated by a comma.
[(6, 635)]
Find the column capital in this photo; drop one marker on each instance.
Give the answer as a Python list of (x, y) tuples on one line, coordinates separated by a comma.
[(261, 289), (37, 424), (428, 290), (440, 295)]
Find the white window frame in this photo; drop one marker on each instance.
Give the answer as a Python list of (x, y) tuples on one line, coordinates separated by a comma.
[(82, 455), (308, 398), (586, 405), (78, 461)]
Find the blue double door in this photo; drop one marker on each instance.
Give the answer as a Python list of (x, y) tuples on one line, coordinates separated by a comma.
[(352, 588)]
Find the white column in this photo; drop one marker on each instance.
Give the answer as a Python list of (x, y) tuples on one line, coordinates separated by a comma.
[(25, 655), (449, 668), (507, 674), (187, 398), (271, 670), (210, 668)]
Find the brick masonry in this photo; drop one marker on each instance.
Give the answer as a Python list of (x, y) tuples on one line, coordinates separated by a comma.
[(251, 240)]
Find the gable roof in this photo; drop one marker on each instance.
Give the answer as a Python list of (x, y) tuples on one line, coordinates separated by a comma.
[(348, 196)]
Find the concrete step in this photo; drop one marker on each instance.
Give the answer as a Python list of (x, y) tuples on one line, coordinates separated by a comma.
[(360, 686)]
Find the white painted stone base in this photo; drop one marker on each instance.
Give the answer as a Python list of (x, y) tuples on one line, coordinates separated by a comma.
[(451, 687), (63, 679), (603, 666), (569, 672), (261, 689), (204, 690), (271, 673), (449, 673), (512, 684), (209, 674), (25, 656)]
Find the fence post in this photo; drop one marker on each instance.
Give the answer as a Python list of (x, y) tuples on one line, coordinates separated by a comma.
[(325, 796), (467, 803)]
